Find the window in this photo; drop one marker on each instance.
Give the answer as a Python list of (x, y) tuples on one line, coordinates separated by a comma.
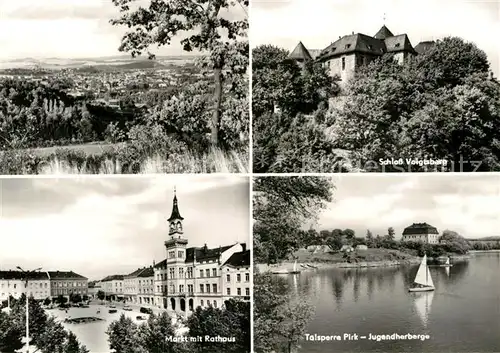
[(202, 288), (181, 288), (208, 288), (247, 292), (202, 273), (228, 278), (214, 272), (190, 272), (238, 291), (172, 272), (228, 291), (180, 254), (347, 46), (397, 45), (215, 304), (214, 288), (238, 277), (190, 288), (171, 254), (207, 272), (247, 277), (181, 272), (201, 302), (343, 63)]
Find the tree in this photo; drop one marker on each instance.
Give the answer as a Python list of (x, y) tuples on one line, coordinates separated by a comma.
[(455, 242), (47, 301), (369, 239), (100, 295), (123, 336), (390, 234), (52, 337), (152, 337), (281, 207), (61, 300), (10, 334), (75, 298), (37, 316), (335, 242), (201, 21)]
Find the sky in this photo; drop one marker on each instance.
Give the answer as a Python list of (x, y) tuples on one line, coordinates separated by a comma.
[(68, 29), (99, 226), (466, 203), (317, 23)]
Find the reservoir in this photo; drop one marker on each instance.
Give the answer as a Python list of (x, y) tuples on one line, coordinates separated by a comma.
[(461, 315)]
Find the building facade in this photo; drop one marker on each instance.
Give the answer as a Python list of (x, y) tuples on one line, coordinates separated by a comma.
[(113, 287), (421, 232), (66, 283), (194, 276), (13, 283), (236, 276), (347, 54), (42, 285)]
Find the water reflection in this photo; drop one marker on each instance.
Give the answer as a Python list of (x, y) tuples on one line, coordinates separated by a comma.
[(461, 314)]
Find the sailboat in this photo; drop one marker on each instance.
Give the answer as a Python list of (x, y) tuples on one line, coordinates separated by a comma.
[(423, 280), (447, 263)]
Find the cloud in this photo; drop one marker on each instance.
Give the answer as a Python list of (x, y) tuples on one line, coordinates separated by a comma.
[(469, 204)]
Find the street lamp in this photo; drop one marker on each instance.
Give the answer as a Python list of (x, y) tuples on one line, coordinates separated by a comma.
[(27, 273)]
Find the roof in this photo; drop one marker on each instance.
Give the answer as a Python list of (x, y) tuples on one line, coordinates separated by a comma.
[(425, 46), (18, 275), (113, 278), (360, 43), (420, 229), (202, 254), (398, 43), (383, 33), (65, 275), (300, 53), (175, 211), (239, 259), (147, 272), (314, 52)]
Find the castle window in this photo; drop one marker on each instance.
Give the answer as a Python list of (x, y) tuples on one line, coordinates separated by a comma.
[(228, 278), (397, 45), (347, 46), (343, 63), (333, 49)]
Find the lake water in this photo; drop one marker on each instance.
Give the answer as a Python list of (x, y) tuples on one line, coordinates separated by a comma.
[(461, 315)]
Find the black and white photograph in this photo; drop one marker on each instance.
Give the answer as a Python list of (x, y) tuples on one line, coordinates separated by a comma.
[(375, 86), (124, 86), (377, 263), (135, 264)]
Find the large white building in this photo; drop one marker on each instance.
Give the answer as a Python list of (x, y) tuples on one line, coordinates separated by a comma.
[(197, 276), (113, 286), (139, 286), (421, 232)]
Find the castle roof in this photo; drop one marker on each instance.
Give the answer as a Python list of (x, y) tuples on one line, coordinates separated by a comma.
[(147, 272), (239, 259), (175, 211), (383, 33), (424, 46), (314, 52), (398, 43), (420, 229), (360, 43), (300, 53), (136, 273), (202, 254), (18, 275)]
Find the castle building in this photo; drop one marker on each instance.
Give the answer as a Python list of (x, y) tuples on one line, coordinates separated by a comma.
[(421, 232), (193, 276), (343, 57)]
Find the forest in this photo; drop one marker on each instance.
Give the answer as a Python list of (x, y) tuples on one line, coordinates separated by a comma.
[(443, 104)]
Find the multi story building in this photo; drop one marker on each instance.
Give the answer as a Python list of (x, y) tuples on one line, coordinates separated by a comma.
[(13, 283), (347, 54), (131, 286), (139, 286), (236, 276), (93, 288), (421, 232), (191, 277), (113, 287), (66, 283)]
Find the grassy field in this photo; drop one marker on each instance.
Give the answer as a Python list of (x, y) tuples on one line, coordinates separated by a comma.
[(118, 159)]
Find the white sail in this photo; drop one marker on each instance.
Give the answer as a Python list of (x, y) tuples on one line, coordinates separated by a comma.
[(447, 261), (423, 303), (295, 266), (447, 269), (423, 276)]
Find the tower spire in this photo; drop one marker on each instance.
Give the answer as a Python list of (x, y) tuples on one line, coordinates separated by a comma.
[(175, 219)]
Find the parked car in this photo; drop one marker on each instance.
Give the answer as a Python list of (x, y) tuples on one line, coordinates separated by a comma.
[(112, 311), (140, 318), (146, 310), (127, 308), (112, 306)]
